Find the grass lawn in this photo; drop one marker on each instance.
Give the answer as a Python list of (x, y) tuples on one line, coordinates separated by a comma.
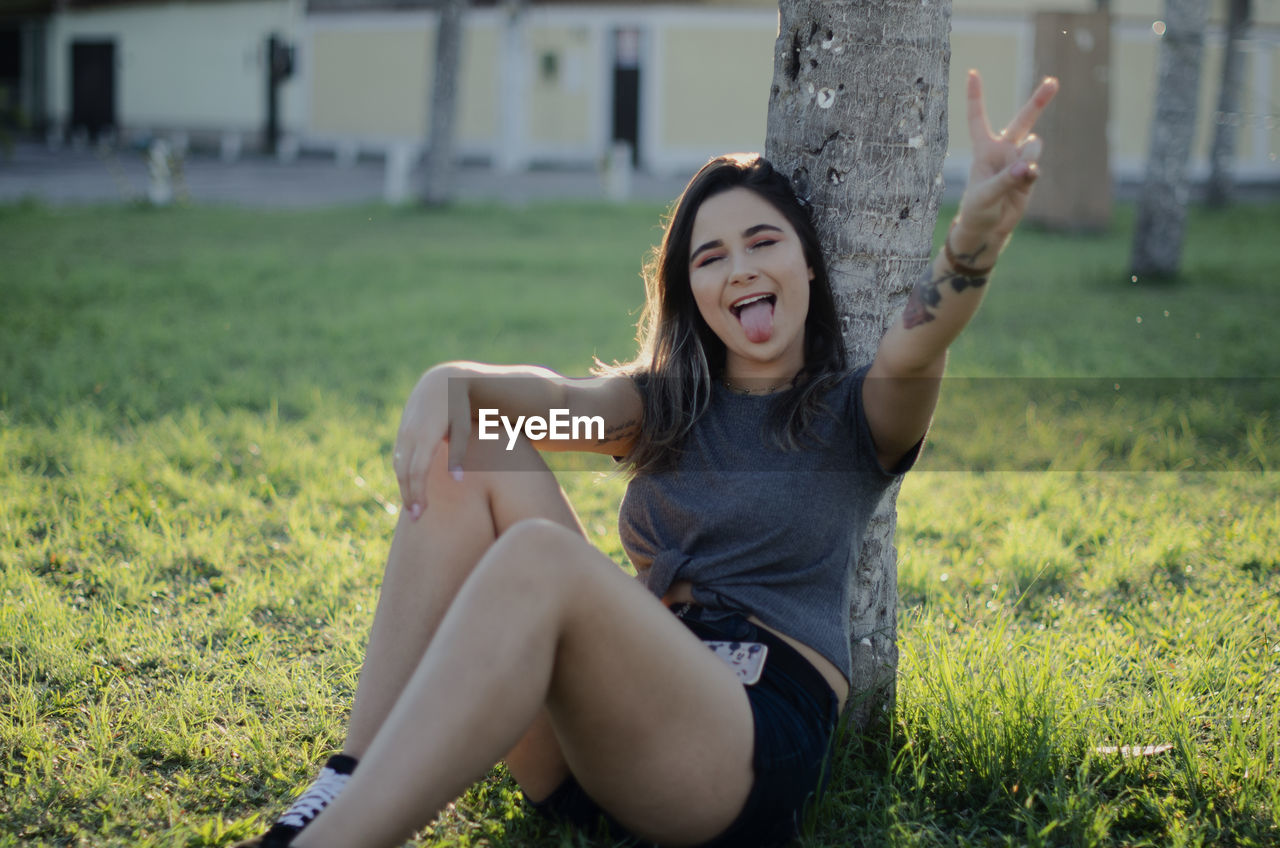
[(197, 408)]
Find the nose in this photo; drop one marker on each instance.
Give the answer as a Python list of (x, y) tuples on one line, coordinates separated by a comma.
[(742, 269)]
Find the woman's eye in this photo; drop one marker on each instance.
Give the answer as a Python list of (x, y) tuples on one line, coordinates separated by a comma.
[(765, 242), (706, 260)]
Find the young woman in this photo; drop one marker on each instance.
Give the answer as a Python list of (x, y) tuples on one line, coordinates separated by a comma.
[(758, 455)]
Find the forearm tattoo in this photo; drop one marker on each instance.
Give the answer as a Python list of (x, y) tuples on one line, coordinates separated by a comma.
[(926, 296)]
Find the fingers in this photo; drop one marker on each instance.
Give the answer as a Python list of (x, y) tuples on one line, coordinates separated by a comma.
[(979, 127), (1023, 170), (439, 410), (991, 198), (411, 457), (459, 436), (1030, 112), (400, 464), (1028, 161), (414, 470), (459, 425), (418, 466), (1020, 126), (1025, 167)]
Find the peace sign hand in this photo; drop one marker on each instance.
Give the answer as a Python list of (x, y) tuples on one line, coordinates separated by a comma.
[(1004, 169)]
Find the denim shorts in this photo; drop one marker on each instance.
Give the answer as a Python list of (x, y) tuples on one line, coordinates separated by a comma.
[(795, 712)]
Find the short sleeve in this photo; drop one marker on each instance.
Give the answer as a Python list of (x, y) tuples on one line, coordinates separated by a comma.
[(856, 417)]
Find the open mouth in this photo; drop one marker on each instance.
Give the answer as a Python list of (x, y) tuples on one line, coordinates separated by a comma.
[(737, 308), (756, 316)]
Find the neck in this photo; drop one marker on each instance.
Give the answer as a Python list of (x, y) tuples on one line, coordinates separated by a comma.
[(759, 378)]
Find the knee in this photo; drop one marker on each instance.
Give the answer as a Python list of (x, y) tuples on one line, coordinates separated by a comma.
[(536, 551), (537, 537)]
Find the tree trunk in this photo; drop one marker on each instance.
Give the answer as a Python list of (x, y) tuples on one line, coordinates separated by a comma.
[(1162, 204), (1074, 189), (857, 118), (1227, 122), (437, 188)]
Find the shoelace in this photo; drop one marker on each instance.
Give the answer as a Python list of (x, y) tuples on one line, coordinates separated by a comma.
[(316, 798)]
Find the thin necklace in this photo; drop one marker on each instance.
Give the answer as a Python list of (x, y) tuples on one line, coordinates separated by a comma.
[(767, 390)]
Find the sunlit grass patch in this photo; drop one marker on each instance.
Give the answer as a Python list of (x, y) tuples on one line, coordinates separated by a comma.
[(1152, 640), (197, 409)]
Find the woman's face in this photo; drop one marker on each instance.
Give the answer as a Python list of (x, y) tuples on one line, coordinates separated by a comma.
[(751, 282)]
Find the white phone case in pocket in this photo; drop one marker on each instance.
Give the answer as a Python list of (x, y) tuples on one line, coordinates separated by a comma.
[(745, 658)]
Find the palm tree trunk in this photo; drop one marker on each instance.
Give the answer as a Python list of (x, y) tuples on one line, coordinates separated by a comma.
[(438, 189), (857, 118), (1162, 205), (1222, 155)]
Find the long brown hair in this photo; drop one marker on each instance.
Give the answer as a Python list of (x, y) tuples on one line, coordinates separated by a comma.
[(680, 356)]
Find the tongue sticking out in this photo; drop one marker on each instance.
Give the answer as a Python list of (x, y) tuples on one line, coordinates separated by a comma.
[(757, 321)]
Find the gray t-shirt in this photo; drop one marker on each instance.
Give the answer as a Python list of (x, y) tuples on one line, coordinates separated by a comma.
[(762, 530)]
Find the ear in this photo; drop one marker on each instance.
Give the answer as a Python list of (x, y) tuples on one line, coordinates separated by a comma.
[(811, 274)]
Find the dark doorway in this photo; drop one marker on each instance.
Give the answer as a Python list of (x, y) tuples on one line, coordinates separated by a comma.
[(626, 89), (93, 86), (10, 74)]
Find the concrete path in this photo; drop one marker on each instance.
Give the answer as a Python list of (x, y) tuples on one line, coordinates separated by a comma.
[(88, 175)]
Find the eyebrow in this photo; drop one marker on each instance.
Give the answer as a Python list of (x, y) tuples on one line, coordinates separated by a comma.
[(747, 233)]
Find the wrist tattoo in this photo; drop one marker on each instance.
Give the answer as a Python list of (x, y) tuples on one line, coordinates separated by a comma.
[(961, 263), (926, 295)]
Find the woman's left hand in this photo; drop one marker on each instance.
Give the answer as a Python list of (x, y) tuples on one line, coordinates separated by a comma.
[(1005, 167)]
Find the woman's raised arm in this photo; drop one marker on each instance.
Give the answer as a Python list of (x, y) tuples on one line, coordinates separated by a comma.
[(598, 414), (901, 389)]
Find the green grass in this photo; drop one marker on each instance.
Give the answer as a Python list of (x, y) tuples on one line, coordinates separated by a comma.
[(196, 412)]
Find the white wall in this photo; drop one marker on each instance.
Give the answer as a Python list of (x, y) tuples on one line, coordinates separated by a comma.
[(190, 65)]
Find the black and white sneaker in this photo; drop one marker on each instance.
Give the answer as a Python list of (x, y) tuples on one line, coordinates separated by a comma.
[(320, 794)]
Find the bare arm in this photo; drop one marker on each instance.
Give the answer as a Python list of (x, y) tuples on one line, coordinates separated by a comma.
[(901, 389), (531, 391), (445, 405)]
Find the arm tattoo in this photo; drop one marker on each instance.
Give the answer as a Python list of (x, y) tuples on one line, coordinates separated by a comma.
[(619, 431), (926, 296)]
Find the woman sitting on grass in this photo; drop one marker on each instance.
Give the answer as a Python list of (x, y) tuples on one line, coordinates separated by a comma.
[(503, 635)]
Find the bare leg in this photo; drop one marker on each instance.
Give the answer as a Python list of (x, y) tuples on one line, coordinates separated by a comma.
[(652, 724), (429, 560)]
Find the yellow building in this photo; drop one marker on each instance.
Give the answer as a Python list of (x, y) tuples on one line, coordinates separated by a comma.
[(556, 83)]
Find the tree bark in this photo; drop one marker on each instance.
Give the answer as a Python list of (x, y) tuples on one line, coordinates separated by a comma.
[(437, 187), (1228, 121), (857, 119), (1162, 204)]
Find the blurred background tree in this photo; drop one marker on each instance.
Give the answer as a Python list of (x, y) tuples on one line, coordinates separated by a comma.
[(1228, 120), (1162, 203), (437, 186)]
